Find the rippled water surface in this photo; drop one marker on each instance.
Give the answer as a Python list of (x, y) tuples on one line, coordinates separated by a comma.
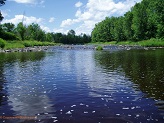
[(78, 86)]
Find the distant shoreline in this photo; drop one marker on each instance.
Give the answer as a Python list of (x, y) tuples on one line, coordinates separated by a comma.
[(82, 47), (26, 49)]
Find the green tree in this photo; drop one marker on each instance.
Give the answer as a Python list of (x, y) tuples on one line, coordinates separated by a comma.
[(49, 37), (57, 37), (140, 19), (102, 31), (21, 30), (1, 17), (34, 32), (2, 2), (156, 17), (71, 38), (71, 32), (8, 27), (127, 25), (118, 29)]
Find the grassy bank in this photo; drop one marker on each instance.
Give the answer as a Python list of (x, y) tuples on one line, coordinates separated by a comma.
[(23, 44), (145, 43)]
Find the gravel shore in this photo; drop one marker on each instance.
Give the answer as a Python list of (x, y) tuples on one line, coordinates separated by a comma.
[(26, 49), (77, 47)]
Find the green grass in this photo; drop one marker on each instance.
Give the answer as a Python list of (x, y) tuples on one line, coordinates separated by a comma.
[(2, 43), (152, 43), (13, 45), (37, 43), (23, 44), (145, 43)]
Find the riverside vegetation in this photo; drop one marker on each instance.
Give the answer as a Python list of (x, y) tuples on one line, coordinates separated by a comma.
[(143, 25)]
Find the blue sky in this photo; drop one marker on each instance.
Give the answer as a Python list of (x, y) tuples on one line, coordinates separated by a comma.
[(63, 15)]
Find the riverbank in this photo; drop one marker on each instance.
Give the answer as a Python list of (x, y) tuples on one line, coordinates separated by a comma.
[(33, 46), (145, 43), (25, 46), (26, 49)]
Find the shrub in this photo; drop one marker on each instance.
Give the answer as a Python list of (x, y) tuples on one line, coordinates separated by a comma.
[(28, 44), (99, 48), (2, 43), (8, 36)]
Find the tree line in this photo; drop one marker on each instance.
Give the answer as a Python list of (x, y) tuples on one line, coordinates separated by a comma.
[(144, 21), (9, 31)]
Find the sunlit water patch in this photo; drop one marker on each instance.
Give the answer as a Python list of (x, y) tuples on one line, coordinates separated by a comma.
[(80, 86)]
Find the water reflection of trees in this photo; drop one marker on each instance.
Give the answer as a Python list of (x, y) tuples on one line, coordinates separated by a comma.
[(7, 60), (21, 57), (144, 68), (2, 81)]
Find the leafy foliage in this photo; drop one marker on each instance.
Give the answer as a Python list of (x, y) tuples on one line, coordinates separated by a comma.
[(2, 2), (2, 43), (33, 32), (143, 22), (99, 48)]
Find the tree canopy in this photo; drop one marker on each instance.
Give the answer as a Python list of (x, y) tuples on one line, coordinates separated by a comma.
[(2, 2), (9, 31), (144, 21)]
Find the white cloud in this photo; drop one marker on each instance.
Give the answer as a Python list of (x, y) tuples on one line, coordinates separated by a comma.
[(27, 21), (78, 4), (60, 30), (46, 29), (68, 22), (52, 19), (5, 13), (96, 11), (29, 1)]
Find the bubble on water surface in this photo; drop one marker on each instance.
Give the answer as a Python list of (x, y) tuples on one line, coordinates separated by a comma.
[(85, 112), (125, 108), (81, 104), (73, 105), (102, 98), (132, 107), (55, 121), (69, 112)]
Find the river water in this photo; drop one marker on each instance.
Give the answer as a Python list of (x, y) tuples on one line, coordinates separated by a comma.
[(78, 86)]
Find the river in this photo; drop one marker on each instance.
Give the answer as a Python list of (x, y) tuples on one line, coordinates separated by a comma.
[(78, 86)]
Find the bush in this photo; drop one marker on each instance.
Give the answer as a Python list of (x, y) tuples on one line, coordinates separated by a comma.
[(8, 36), (2, 43), (37, 43), (99, 48), (28, 44)]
